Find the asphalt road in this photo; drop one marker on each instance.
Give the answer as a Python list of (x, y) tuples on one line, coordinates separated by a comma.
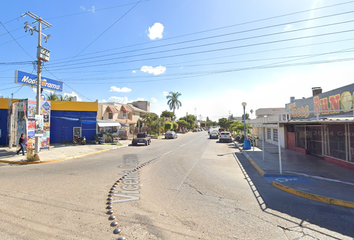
[(192, 188)]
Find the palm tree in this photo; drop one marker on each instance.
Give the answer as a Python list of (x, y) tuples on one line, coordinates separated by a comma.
[(173, 102), (65, 98), (52, 96)]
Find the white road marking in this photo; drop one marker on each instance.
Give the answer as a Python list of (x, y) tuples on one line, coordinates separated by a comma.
[(322, 178)]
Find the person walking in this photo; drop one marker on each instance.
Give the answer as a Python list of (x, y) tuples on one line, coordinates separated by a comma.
[(21, 142)]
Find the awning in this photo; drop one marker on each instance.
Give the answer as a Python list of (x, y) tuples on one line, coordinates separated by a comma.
[(112, 109), (126, 109), (108, 124)]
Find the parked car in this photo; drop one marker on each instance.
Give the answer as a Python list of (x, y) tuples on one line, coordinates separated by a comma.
[(171, 134), (141, 138), (225, 137), (213, 134)]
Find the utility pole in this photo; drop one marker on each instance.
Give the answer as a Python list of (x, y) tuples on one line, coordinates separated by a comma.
[(42, 54)]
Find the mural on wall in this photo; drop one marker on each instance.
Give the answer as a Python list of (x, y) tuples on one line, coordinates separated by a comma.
[(338, 102)]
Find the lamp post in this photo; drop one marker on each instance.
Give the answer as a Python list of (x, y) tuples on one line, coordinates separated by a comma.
[(244, 121)]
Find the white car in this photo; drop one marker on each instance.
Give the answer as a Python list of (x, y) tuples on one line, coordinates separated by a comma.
[(225, 137)]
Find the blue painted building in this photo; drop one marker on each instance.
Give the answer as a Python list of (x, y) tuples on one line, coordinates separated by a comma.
[(67, 119)]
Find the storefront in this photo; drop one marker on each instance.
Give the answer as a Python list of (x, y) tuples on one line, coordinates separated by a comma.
[(323, 125)]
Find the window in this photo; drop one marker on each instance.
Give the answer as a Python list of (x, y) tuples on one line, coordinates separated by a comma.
[(275, 135), (124, 114), (300, 137), (110, 115), (337, 141), (269, 134)]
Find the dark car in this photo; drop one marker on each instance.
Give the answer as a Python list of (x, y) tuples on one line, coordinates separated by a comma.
[(171, 134), (141, 138)]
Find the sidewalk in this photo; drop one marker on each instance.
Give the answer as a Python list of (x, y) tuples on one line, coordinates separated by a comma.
[(58, 152), (303, 175)]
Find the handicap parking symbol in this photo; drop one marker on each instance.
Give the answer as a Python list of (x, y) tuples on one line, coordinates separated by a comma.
[(286, 178)]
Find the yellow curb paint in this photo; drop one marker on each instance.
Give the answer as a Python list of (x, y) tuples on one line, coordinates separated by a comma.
[(314, 197), (260, 171)]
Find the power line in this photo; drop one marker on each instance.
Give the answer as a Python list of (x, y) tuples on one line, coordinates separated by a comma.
[(105, 31), (223, 57), (234, 25), (212, 50), (221, 63), (229, 34)]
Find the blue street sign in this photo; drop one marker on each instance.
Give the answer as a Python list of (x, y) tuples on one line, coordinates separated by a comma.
[(29, 79)]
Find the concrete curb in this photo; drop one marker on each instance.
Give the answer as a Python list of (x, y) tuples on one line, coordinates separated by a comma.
[(299, 193), (61, 159), (314, 197)]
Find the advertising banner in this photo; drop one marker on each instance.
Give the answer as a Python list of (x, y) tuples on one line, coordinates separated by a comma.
[(29, 79), (38, 125)]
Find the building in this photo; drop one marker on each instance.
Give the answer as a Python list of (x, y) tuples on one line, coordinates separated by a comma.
[(322, 125), (67, 118), (127, 115)]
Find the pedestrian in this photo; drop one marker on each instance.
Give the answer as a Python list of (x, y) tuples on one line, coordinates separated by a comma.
[(21, 143)]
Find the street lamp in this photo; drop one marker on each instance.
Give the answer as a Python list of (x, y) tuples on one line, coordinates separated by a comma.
[(244, 121)]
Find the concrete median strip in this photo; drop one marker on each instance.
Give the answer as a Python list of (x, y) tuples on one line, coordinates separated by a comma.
[(299, 193)]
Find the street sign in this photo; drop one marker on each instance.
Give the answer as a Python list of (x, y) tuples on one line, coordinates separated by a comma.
[(29, 79)]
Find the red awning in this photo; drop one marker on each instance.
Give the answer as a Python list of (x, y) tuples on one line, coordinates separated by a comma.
[(126, 109), (112, 109)]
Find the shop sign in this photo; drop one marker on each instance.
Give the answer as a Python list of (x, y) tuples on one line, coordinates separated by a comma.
[(338, 102), (29, 79)]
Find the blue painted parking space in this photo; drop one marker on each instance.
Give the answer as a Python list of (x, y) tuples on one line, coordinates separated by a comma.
[(286, 179)]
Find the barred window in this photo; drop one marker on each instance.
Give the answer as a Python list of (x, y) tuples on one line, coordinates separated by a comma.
[(269, 133), (275, 135)]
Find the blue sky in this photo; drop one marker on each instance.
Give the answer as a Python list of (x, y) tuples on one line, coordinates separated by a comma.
[(217, 54)]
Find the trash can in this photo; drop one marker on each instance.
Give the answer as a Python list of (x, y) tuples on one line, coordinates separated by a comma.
[(246, 144)]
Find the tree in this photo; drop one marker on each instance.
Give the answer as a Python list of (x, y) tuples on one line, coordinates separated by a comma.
[(168, 126), (247, 116), (183, 124), (148, 118), (190, 119), (222, 122), (173, 101), (158, 124), (52, 96), (65, 98), (167, 114)]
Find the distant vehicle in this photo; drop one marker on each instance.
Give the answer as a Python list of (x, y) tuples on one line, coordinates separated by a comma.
[(171, 134), (225, 136), (213, 134), (195, 130), (141, 138), (221, 129)]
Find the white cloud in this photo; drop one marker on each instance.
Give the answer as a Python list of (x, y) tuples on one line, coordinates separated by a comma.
[(288, 27), (117, 89), (123, 100), (165, 93), (155, 31), (134, 71), (73, 94), (153, 100), (156, 71), (103, 101), (93, 9)]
